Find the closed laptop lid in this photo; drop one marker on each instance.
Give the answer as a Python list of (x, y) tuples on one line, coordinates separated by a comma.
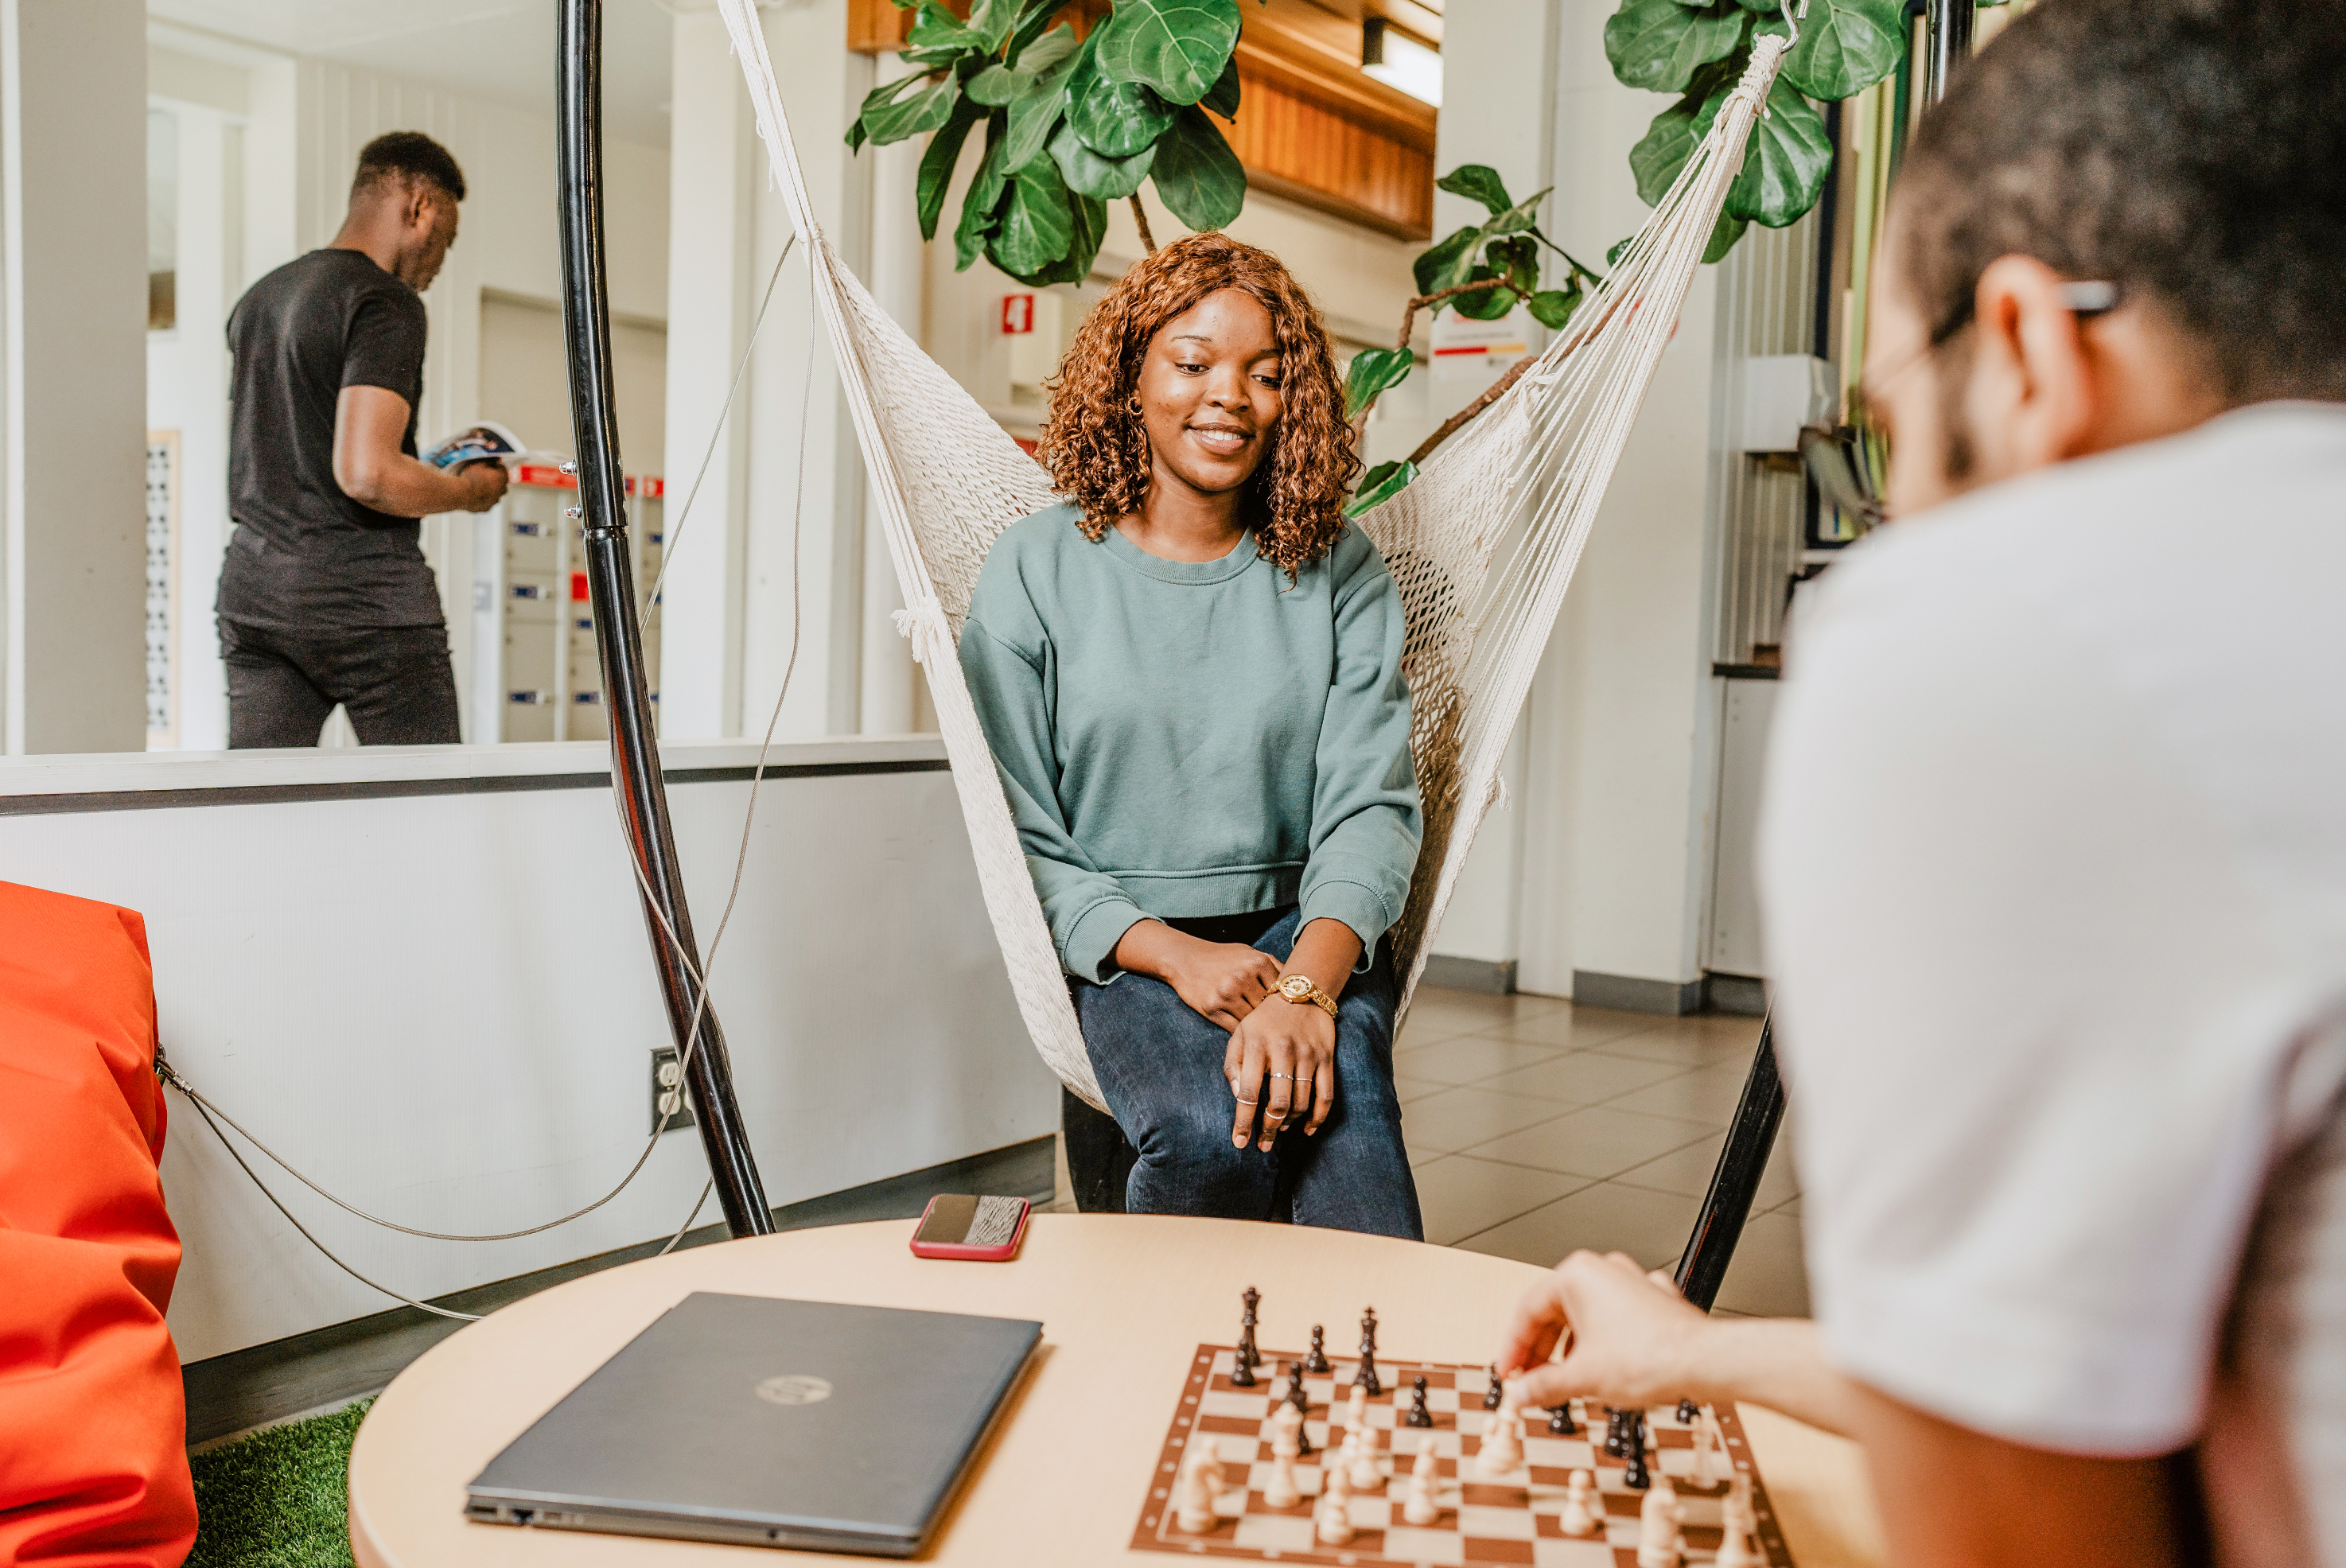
[(803, 1416)]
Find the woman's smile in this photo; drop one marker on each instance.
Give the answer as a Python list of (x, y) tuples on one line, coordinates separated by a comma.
[(1219, 437)]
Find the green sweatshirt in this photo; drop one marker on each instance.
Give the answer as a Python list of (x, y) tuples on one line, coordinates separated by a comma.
[(1185, 738)]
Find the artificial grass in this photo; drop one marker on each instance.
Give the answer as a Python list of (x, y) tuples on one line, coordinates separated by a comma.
[(280, 1498)]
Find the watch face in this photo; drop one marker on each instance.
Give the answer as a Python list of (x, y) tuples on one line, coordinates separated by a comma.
[(1295, 987)]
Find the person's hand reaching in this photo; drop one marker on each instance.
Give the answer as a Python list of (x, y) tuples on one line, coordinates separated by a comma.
[(1631, 1336)]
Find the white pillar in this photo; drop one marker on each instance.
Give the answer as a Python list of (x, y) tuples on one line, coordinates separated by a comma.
[(713, 283), (73, 424), (895, 277)]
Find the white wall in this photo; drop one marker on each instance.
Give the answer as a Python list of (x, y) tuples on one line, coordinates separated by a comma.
[(442, 1007)]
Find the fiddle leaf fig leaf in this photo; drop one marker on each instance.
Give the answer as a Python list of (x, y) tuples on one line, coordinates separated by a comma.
[(1381, 484), (1196, 173), (1846, 46), (995, 86), (1178, 48), (1116, 119), (907, 106), (1784, 171), (1553, 308), (1658, 45), (1478, 182), (978, 207), (1049, 49), (1035, 114), (1033, 24), (1445, 265), (934, 27), (1104, 179), (938, 162), (992, 20), (1035, 225), (1663, 151), (1223, 97), (1372, 372), (1484, 304), (1723, 237)]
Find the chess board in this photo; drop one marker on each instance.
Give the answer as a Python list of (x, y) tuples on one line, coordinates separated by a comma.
[(1512, 1519)]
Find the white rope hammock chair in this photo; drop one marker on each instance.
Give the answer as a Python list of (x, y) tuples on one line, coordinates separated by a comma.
[(1519, 486)]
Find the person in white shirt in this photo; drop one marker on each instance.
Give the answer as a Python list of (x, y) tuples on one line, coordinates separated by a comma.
[(2054, 850)]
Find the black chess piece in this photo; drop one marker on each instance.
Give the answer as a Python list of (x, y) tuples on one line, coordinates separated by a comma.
[(1559, 1419), (1632, 1449), (1369, 1331), (1367, 1376), (1317, 1361), (1490, 1389), (1612, 1432), (1295, 1394), (1419, 1416), (1688, 1410), (1243, 1363)]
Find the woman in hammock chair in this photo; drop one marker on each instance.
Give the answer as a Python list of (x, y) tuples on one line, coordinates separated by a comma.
[(1189, 674)]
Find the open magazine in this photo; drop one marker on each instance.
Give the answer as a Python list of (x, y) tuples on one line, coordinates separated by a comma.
[(488, 442)]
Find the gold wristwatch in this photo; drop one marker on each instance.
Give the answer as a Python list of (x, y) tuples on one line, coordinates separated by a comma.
[(1302, 988)]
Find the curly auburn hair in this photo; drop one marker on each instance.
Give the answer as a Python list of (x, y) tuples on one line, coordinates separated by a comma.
[(1096, 449)]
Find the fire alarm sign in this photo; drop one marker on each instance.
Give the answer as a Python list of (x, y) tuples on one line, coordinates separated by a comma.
[(1017, 314)]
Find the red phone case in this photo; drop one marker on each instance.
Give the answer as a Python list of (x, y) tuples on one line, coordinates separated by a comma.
[(963, 1251)]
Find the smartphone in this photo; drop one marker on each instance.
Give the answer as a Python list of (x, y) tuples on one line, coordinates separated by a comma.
[(973, 1229)]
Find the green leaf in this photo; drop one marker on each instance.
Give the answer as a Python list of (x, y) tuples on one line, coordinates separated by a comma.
[(1784, 171), (1106, 178), (1553, 308), (1477, 182), (1179, 47), (1116, 119), (992, 20), (1663, 151), (1223, 96), (1381, 484), (934, 27), (1198, 174), (1846, 46), (1035, 113), (978, 207), (905, 107), (1089, 218), (1445, 264), (1723, 238), (1037, 224), (938, 162), (1516, 261), (1373, 371), (1516, 219), (1484, 304), (1034, 23), (1657, 44), (1048, 50), (995, 86)]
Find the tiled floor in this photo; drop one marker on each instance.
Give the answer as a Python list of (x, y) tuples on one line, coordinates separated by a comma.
[(1536, 1127)]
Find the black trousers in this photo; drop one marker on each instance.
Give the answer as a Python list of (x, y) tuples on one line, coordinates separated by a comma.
[(396, 682)]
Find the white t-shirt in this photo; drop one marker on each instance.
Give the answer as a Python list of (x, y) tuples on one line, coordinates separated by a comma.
[(2054, 868)]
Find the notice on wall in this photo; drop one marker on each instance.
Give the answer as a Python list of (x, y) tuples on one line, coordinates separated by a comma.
[(1470, 352)]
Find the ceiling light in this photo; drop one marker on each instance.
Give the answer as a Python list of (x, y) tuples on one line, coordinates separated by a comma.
[(1395, 58)]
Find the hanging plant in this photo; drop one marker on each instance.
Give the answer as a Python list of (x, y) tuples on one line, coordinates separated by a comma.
[(1070, 125)]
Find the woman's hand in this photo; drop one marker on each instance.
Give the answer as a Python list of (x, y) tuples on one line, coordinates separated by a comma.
[(1632, 1335), (1220, 981), (1294, 1043)]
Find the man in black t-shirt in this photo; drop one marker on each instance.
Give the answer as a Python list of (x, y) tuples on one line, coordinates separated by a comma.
[(325, 597)]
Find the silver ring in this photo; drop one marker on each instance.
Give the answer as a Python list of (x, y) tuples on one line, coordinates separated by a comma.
[(1243, 1101), (1287, 1075)]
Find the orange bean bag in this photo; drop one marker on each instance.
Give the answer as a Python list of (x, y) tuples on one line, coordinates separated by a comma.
[(93, 1425)]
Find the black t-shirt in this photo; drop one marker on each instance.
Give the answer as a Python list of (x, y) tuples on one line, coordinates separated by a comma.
[(305, 557)]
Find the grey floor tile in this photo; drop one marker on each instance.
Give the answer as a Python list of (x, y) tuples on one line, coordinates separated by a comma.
[(1461, 1195), (1583, 1077), (1700, 1042), (1595, 1142), (1768, 1277), (1650, 1226), (1704, 1094), (1457, 1119), (1570, 1028), (1410, 1089), (1467, 1059), (1687, 1172), (1438, 1014)]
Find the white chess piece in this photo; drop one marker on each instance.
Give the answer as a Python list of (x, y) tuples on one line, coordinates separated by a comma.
[(1356, 1414), (1735, 1551), (1501, 1448), (1658, 1526), (1281, 1490), (1709, 1449), (1737, 1520), (1286, 1433), (1199, 1487), (1580, 1516), (1419, 1507), (1333, 1520), (1364, 1472)]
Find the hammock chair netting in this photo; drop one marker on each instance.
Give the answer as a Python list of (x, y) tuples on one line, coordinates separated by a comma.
[(1481, 545)]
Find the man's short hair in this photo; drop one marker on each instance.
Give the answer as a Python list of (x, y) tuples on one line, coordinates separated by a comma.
[(406, 156), (2193, 152)]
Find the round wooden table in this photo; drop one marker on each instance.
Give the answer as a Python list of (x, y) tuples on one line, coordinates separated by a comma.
[(1123, 1302)]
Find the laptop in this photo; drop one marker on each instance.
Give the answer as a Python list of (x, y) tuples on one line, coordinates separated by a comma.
[(755, 1422)]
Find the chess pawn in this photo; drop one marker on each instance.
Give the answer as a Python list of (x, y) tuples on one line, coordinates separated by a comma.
[(1502, 1449), (1356, 1414), (1201, 1487), (1735, 1513), (1419, 1507), (1709, 1446), (1281, 1490), (1286, 1433), (1658, 1526), (1735, 1551), (1579, 1516), (1364, 1468), (1333, 1521), (1559, 1419)]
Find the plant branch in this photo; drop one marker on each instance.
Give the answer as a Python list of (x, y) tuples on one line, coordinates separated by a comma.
[(1450, 427), (1140, 216), (1409, 316)]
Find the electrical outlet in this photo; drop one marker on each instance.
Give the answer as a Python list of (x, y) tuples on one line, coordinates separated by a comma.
[(668, 1097)]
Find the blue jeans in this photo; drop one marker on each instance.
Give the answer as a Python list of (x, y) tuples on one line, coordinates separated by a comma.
[(1160, 1066)]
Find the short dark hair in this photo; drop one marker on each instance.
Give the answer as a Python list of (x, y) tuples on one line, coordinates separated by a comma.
[(407, 155), (2193, 152)]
